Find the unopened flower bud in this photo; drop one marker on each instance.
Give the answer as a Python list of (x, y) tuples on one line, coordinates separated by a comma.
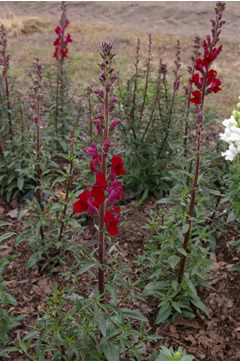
[(35, 119), (185, 89), (114, 124), (114, 77), (92, 151), (97, 124), (99, 92), (102, 76), (102, 65), (114, 99), (100, 116), (106, 145), (108, 86)]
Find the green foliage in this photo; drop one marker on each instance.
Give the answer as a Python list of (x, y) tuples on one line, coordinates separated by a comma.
[(152, 142), (168, 354), (7, 320), (78, 325), (152, 122)]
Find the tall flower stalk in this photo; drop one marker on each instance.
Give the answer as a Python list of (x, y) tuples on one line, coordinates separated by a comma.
[(188, 89), (96, 202), (206, 83), (36, 107), (4, 61), (60, 53)]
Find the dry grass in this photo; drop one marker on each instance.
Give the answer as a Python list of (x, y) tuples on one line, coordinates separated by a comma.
[(84, 53), (24, 25)]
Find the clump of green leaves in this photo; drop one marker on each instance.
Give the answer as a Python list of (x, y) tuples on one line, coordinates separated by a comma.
[(7, 320), (151, 125), (168, 354)]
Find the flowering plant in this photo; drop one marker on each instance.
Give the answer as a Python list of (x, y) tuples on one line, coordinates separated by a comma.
[(231, 134), (207, 82), (62, 40), (95, 201)]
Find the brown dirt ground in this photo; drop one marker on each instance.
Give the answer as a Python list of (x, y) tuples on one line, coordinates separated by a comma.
[(214, 339)]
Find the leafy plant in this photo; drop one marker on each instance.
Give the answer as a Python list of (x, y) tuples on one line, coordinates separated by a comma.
[(151, 116), (168, 354), (7, 320)]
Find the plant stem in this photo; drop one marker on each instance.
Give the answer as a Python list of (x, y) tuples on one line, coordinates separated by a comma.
[(192, 201), (101, 234), (147, 76), (67, 192), (57, 101), (8, 108)]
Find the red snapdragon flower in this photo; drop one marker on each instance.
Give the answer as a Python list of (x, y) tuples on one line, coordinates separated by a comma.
[(58, 30), (197, 97), (215, 86), (117, 167), (98, 189), (115, 191), (84, 203), (112, 221), (95, 164)]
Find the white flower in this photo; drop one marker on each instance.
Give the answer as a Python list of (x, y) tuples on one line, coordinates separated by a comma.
[(231, 153), (230, 122)]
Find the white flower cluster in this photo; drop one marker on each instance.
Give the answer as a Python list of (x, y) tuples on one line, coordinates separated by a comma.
[(231, 134)]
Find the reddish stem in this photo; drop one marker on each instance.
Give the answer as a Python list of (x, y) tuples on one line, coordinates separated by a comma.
[(101, 234)]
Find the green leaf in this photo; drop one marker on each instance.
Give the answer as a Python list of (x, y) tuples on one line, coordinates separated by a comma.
[(20, 183), (112, 289), (101, 322), (2, 224), (154, 287), (6, 236), (187, 358), (86, 267), (166, 201), (110, 351), (236, 267), (35, 257), (164, 313), (144, 196), (231, 217), (185, 228), (7, 299), (199, 304), (133, 314), (173, 261)]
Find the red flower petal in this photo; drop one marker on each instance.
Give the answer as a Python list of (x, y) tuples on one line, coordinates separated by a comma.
[(81, 205)]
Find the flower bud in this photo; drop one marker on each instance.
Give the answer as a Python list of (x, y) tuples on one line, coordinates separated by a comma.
[(102, 76), (108, 86), (35, 119), (92, 151), (99, 92), (100, 117), (97, 124), (114, 99), (106, 145), (114, 124)]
